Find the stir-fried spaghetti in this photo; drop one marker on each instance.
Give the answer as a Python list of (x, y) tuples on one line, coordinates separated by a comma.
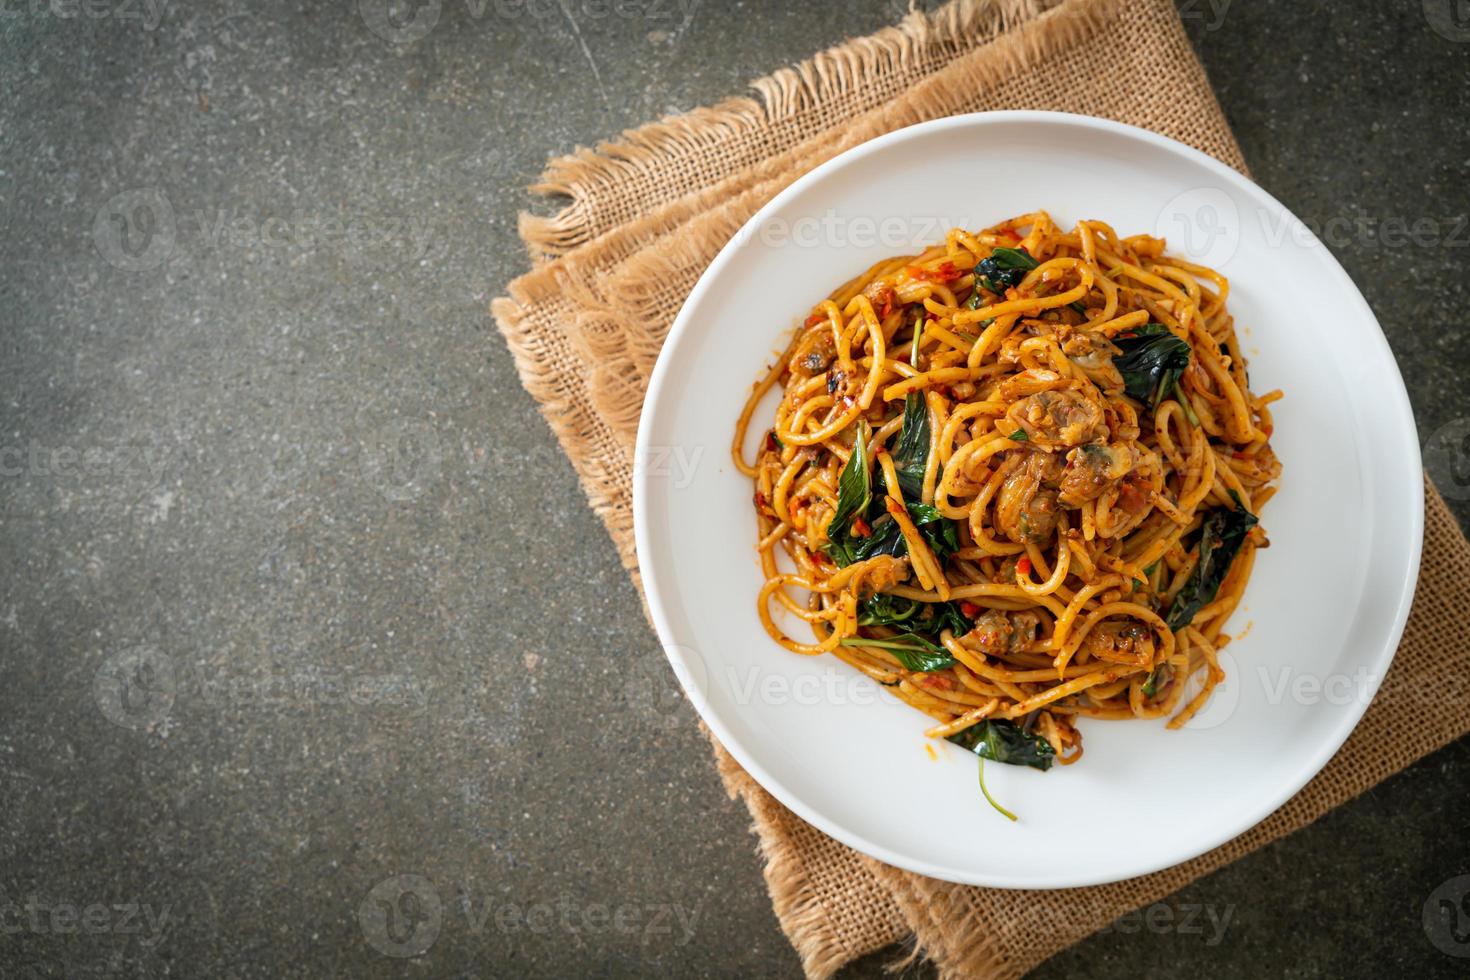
[(1015, 478)]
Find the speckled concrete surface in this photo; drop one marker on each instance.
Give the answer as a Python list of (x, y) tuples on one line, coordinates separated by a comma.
[(276, 517)]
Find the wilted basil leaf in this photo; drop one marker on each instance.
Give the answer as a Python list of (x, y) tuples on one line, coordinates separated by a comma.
[(854, 493), (911, 455), (1004, 741), (911, 650), (887, 538), (1151, 361), (882, 609), (937, 529), (947, 616), (1223, 533), (1004, 269), (1156, 678), (912, 615)]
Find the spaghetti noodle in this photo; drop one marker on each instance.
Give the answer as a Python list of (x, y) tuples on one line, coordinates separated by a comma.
[(1015, 480)]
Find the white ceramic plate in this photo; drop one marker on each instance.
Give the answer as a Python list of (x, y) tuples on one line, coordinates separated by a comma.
[(1325, 607)]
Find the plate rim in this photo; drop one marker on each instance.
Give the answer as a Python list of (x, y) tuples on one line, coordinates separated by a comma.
[(1351, 714)]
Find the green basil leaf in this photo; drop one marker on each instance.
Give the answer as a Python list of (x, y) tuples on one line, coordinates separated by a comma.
[(938, 531), (854, 493), (1004, 741), (1004, 269), (886, 539), (882, 609), (911, 455), (913, 651), (1156, 677), (1222, 534), (947, 616), (913, 616), (1151, 361)]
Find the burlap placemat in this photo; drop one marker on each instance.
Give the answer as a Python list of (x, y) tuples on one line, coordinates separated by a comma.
[(649, 212)]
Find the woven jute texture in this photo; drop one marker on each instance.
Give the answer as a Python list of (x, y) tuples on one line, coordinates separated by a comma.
[(646, 215)]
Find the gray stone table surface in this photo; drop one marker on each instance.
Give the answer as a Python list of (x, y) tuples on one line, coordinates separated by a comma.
[(314, 656)]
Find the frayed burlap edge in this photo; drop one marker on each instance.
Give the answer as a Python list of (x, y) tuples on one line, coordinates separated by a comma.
[(617, 327), (704, 143), (804, 917)]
